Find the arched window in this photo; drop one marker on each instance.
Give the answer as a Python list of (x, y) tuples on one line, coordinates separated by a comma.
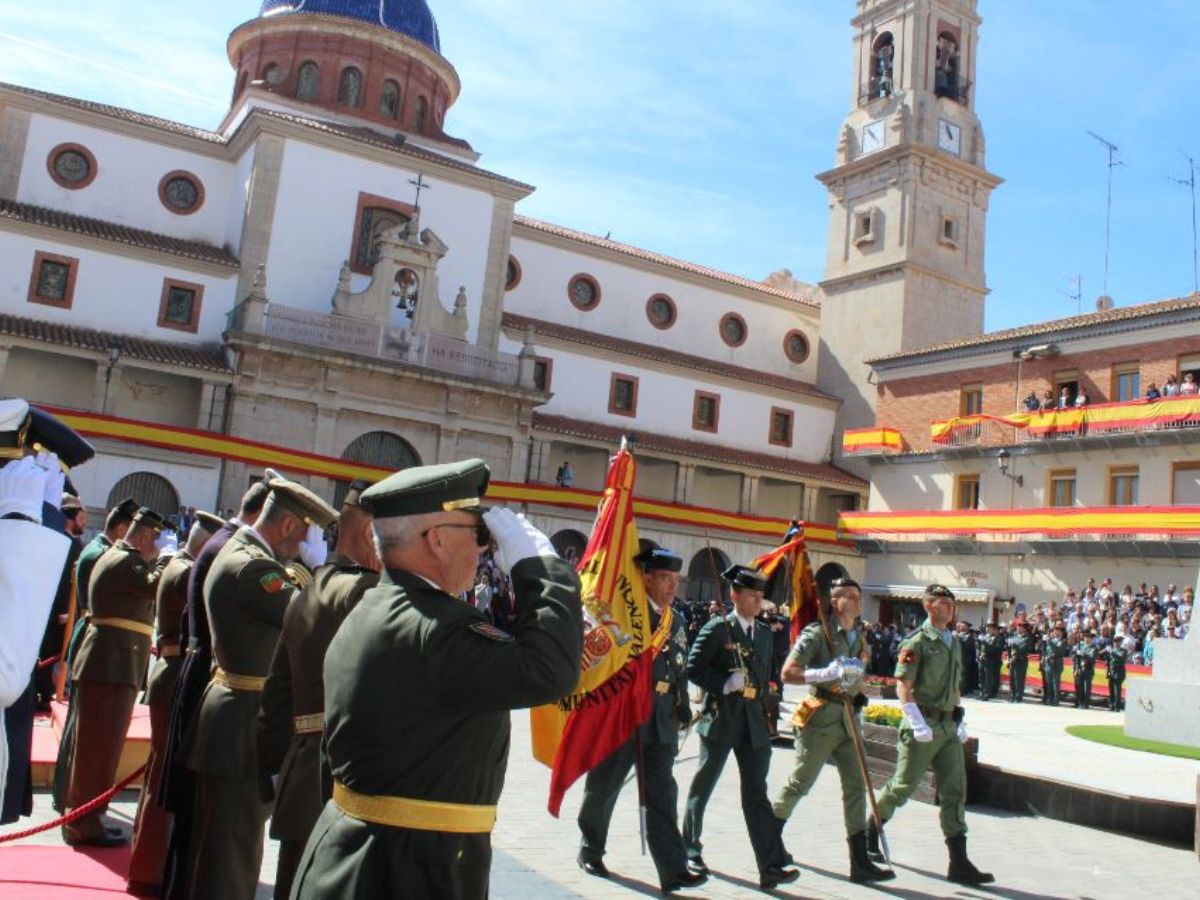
[(308, 80), (374, 222), (703, 577), (421, 119), (945, 73), (350, 87), (389, 99), (883, 52), (272, 74), (377, 448), (147, 489)]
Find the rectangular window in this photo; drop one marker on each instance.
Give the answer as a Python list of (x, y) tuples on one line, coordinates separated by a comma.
[(622, 395), (1069, 379), (179, 307), (1189, 364), (781, 427), (966, 492), (1060, 491), (1123, 486), (1126, 382), (970, 400), (706, 409), (52, 281), (543, 370)]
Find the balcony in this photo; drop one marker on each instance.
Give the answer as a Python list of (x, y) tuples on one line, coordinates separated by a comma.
[(871, 442), (878, 88)]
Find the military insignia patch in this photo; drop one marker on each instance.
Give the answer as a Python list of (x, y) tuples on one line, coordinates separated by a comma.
[(491, 632), (907, 655), (272, 582)]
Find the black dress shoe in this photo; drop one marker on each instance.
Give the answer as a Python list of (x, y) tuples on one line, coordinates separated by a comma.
[(109, 837), (773, 876), (684, 880), (593, 867), (696, 865)]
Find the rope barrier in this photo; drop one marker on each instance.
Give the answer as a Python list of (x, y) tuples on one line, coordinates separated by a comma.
[(78, 812)]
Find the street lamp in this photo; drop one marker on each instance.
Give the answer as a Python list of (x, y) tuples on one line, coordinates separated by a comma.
[(1003, 458)]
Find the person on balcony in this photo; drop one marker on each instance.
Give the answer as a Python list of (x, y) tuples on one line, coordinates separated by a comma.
[(1031, 402), (1152, 392), (1064, 398), (1189, 385), (1170, 387), (1047, 401), (1081, 398)]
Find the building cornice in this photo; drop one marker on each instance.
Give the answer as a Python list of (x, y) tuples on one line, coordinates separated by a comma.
[(897, 153)]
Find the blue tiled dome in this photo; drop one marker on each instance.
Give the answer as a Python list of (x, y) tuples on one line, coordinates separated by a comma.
[(408, 17)]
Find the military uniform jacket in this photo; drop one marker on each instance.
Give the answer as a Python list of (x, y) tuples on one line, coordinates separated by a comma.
[(1019, 647), (812, 652), (671, 709), (991, 649), (1084, 658), (123, 586), (933, 668), (172, 598), (418, 688), (1053, 651), (1116, 657), (88, 557), (296, 687), (246, 594), (722, 648)]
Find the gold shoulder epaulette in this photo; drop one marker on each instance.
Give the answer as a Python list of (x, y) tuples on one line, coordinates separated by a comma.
[(298, 575)]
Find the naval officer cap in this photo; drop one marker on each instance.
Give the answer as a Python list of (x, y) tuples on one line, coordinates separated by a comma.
[(742, 577), (210, 523), (148, 518), (427, 489), (25, 429), (302, 503), (659, 559)]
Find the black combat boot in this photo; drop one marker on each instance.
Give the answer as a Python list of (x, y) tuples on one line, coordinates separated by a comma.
[(962, 870), (862, 870), (874, 853)]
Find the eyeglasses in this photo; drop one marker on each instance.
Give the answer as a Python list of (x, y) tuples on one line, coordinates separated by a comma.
[(483, 537)]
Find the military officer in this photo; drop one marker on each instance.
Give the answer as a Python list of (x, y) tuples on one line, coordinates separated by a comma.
[(731, 661), (418, 688), (1115, 657), (928, 674), (1020, 645), (111, 666), (659, 744), (153, 824), (246, 594), (1083, 663), (965, 635), (1054, 649), (831, 666), (291, 718), (991, 655)]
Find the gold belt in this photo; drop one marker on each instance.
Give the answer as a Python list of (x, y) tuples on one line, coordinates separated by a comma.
[(421, 815), (125, 624), (313, 723), (239, 682), (166, 651)]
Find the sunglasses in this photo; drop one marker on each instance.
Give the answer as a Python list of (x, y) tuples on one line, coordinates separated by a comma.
[(483, 537)]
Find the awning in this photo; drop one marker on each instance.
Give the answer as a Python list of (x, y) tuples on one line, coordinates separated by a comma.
[(916, 592)]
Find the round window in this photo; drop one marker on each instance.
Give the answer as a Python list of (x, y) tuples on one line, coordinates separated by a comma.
[(513, 277), (584, 292), (72, 166), (795, 346), (660, 310), (181, 192), (733, 329)]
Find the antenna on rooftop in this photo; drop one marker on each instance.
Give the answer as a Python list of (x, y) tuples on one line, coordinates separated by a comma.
[(1113, 162), (1077, 294), (1190, 183)]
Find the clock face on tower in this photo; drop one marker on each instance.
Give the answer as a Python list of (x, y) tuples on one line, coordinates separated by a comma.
[(949, 137), (872, 137)]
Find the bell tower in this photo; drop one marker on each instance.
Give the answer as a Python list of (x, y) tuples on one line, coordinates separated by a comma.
[(908, 197)]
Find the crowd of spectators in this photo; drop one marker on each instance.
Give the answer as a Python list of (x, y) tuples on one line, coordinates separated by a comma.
[(1172, 387)]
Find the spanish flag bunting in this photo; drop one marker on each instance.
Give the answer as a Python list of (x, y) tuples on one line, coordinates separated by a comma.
[(614, 694)]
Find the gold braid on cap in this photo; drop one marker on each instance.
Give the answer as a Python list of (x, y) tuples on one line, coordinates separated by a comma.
[(450, 505), (18, 451)]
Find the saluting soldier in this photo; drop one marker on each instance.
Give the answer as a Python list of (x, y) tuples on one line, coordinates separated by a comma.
[(965, 635), (152, 826), (246, 594), (1115, 658), (1054, 650), (291, 718), (928, 674), (418, 688), (731, 661), (821, 732), (659, 740), (1083, 663), (111, 667), (1020, 645), (991, 654)]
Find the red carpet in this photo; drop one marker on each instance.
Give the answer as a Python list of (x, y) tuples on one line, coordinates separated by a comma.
[(62, 873)]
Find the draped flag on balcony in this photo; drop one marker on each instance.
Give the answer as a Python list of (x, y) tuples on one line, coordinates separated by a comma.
[(1132, 415), (614, 693), (1150, 521), (793, 554)]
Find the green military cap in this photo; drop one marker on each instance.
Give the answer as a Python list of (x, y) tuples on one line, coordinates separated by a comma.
[(426, 489), (302, 503), (354, 494), (743, 577), (658, 559), (209, 522), (149, 518)]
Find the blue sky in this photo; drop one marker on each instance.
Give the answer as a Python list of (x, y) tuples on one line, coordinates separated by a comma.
[(695, 128)]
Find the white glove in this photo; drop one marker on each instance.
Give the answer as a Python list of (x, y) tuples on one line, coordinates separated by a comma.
[(56, 479), (962, 732), (167, 544), (22, 487), (922, 733), (313, 548), (831, 672), (516, 538), (734, 683)]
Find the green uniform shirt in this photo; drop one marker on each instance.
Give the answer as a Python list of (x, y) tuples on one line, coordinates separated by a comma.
[(1085, 658), (932, 667), (811, 651), (1116, 656), (1053, 651), (1019, 648)]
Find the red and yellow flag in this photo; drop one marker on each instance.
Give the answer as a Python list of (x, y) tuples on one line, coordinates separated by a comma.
[(614, 693), (803, 587)]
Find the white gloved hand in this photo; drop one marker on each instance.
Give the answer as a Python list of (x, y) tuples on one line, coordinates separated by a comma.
[(22, 487), (56, 479), (734, 683), (922, 733), (516, 538), (167, 544), (831, 672), (313, 548), (962, 732)]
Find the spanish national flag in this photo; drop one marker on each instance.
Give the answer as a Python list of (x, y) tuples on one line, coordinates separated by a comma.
[(803, 593), (614, 693)]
